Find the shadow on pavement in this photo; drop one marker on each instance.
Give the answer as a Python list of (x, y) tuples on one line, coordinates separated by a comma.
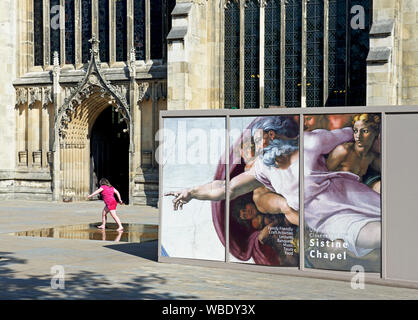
[(79, 285), (147, 250)]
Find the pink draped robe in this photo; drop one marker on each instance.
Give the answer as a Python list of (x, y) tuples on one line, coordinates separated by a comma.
[(337, 204)]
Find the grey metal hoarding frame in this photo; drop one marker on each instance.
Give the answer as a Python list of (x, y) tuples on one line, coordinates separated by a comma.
[(301, 271)]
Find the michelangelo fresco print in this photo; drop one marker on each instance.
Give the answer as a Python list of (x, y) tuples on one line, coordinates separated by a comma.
[(342, 203), (264, 225), (342, 210), (193, 153)]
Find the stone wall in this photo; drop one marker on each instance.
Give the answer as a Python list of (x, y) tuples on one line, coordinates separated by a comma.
[(194, 56), (409, 40), (25, 185), (392, 71), (8, 70)]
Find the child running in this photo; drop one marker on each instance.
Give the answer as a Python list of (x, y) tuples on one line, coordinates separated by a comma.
[(110, 203)]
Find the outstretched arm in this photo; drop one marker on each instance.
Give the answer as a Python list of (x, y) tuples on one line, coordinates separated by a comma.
[(95, 193), (118, 195), (215, 190)]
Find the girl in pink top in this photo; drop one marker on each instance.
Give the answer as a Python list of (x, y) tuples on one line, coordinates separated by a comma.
[(110, 203)]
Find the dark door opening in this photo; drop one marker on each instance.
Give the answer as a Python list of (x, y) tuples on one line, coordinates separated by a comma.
[(109, 152)]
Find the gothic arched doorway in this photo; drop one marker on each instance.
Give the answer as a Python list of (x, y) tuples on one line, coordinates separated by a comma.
[(109, 152)]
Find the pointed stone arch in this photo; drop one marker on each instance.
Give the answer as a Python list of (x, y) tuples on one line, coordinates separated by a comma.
[(93, 82), (73, 122)]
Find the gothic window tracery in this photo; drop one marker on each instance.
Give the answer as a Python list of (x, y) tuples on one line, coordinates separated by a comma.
[(121, 38), (337, 53), (231, 58), (104, 30), (109, 20), (86, 28), (359, 47), (139, 29), (314, 73), (69, 32), (314, 53), (156, 29), (293, 53), (55, 36), (272, 54), (251, 65), (38, 21)]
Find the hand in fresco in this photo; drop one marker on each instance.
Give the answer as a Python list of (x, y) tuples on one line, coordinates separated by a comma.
[(263, 235), (180, 199)]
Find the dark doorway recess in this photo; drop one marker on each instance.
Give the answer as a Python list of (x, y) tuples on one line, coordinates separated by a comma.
[(109, 152)]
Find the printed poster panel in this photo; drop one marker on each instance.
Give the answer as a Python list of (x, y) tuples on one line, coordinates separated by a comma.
[(193, 153), (342, 209), (264, 180)]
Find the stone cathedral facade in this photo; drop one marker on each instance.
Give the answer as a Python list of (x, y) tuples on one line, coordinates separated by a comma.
[(83, 81)]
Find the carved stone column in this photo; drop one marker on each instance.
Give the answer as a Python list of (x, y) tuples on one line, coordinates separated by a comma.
[(47, 39), (21, 111), (78, 31), (47, 99), (56, 173), (33, 124), (143, 88), (133, 155)]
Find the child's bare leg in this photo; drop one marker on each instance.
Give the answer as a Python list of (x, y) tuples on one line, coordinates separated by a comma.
[(104, 214), (116, 218)]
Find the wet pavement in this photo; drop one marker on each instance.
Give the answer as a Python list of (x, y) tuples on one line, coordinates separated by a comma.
[(106, 269), (132, 232)]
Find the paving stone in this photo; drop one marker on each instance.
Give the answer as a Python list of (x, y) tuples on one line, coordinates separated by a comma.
[(109, 270)]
